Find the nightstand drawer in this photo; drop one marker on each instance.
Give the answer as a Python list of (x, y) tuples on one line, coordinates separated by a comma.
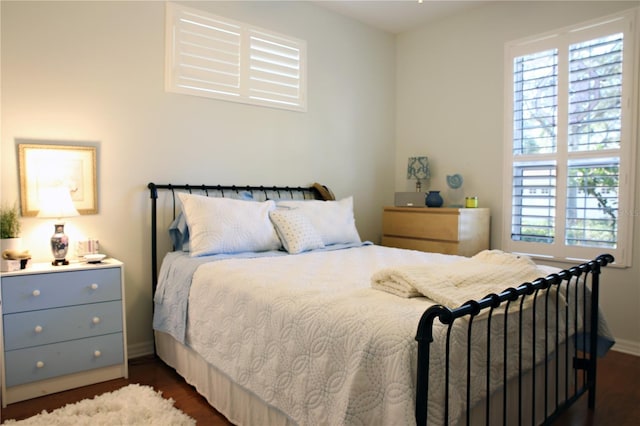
[(44, 362), (50, 290), (28, 329)]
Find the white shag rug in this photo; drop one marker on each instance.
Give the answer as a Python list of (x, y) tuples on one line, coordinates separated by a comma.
[(131, 405)]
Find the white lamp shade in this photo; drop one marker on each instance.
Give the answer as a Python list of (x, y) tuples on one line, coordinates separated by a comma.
[(56, 203)]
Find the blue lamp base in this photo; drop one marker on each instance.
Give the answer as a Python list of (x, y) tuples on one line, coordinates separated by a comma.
[(59, 245)]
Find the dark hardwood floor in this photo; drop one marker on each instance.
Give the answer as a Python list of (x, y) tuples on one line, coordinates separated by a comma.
[(617, 399), (149, 371)]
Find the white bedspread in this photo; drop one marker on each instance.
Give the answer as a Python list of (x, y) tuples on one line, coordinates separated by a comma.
[(451, 285), (309, 336)]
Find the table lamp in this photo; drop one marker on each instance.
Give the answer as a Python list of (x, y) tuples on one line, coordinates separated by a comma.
[(418, 169), (56, 203)]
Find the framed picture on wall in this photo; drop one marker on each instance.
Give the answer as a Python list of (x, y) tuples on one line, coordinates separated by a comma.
[(45, 164)]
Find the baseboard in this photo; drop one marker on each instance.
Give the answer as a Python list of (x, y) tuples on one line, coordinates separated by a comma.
[(138, 350), (627, 346)]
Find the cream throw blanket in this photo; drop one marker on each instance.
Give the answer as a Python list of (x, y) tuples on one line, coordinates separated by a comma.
[(452, 284)]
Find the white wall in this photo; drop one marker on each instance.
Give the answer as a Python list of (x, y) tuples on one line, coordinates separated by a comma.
[(450, 107), (93, 71)]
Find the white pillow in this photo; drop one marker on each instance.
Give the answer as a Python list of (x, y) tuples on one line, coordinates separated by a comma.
[(332, 219), (225, 225), (296, 232)]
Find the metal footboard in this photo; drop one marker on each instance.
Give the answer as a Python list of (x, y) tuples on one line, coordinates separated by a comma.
[(552, 322)]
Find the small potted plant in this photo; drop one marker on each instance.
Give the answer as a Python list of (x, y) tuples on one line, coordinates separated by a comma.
[(10, 227)]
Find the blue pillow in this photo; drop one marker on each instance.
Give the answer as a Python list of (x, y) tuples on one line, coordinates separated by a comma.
[(179, 233)]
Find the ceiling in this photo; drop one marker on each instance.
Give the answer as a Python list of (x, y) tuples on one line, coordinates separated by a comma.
[(396, 16)]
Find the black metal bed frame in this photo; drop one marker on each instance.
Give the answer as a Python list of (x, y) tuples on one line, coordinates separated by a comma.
[(582, 357), (315, 191)]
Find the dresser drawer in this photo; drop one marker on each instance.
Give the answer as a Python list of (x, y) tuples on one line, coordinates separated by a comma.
[(444, 247), (28, 329), (416, 224), (50, 290), (44, 362), (458, 231)]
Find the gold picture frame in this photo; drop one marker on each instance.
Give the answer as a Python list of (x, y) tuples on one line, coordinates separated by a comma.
[(50, 164)]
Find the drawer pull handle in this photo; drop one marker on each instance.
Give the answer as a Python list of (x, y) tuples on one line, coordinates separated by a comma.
[(36, 293), (94, 286), (97, 353), (38, 329), (96, 320), (39, 364)]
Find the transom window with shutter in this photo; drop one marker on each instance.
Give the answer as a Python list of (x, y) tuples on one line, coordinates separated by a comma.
[(216, 57), (571, 135)]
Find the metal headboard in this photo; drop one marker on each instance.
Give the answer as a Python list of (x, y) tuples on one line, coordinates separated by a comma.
[(313, 192)]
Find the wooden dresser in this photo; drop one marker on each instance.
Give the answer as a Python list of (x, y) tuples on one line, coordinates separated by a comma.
[(441, 230)]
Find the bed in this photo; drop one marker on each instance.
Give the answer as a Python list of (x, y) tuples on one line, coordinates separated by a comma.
[(271, 306)]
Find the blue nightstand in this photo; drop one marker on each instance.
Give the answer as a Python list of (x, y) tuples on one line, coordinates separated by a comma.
[(61, 327)]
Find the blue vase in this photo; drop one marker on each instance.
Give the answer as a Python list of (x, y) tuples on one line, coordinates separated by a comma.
[(434, 199)]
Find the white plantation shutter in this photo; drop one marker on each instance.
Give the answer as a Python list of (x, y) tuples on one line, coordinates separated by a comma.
[(595, 93), (205, 54), (211, 56), (535, 107), (275, 69), (592, 202), (570, 139), (534, 202)]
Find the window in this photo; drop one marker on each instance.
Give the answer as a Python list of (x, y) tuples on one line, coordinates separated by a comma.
[(571, 131), (215, 57)]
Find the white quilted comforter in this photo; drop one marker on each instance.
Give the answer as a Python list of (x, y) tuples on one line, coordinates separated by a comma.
[(490, 271), (308, 335)]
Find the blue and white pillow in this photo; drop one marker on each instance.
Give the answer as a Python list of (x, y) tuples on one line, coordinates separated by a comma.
[(295, 231)]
